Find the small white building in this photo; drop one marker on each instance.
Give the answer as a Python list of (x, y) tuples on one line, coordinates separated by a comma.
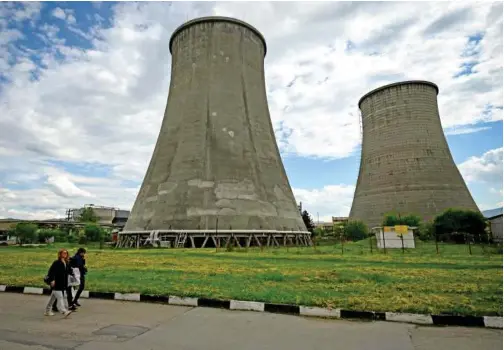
[(390, 237), (496, 227)]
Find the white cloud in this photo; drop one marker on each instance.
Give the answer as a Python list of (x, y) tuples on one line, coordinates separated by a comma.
[(59, 13), (487, 168), (331, 200), (61, 192), (466, 130), (104, 104), (71, 19), (62, 186), (64, 14)]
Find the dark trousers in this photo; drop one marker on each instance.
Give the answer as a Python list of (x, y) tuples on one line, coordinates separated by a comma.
[(68, 293), (81, 287)]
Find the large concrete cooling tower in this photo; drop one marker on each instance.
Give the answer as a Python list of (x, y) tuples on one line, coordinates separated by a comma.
[(216, 163), (406, 166)]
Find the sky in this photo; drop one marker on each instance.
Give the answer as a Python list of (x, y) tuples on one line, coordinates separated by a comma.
[(83, 88)]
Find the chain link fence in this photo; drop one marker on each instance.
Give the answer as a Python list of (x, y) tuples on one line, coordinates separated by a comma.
[(380, 244)]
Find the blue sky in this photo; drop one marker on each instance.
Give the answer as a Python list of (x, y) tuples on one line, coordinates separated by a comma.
[(77, 78)]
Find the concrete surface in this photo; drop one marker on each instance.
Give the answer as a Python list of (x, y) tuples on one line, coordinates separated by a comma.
[(113, 325), (216, 156), (406, 165)]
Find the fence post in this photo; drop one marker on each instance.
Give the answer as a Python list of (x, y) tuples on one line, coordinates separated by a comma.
[(402, 243), (217, 241), (384, 244), (341, 239), (261, 247), (371, 243), (468, 243), (436, 239)]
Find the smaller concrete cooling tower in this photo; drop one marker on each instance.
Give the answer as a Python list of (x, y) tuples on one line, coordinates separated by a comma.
[(216, 164), (406, 166)]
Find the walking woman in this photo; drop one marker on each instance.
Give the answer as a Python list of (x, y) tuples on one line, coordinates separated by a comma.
[(58, 280), (69, 289)]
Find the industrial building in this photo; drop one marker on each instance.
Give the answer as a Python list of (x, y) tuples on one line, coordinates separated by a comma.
[(406, 166), (216, 172), (330, 225), (106, 215), (494, 217)]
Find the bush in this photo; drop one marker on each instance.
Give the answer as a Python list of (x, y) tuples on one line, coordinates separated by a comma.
[(426, 231), (409, 220), (457, 224), (44, 234), (82, 240), (107, 236), (390, 220), (318, 232), (73, 239), (355, 230)]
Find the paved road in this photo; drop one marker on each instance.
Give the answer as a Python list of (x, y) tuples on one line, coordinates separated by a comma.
[(114, 325)]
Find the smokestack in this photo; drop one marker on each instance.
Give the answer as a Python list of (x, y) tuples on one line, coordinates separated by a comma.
[(406, 166), (216, 157)]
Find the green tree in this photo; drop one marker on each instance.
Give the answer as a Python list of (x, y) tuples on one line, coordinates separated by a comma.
[(339, 230), (93, 233), (88, 215), (355, 230), (455, 224), (308, 221), (25, 232)]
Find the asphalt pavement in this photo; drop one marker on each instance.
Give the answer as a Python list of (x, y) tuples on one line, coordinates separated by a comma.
[(115, 325)]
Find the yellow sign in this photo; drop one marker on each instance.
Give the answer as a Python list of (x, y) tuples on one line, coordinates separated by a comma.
[(387, 228), (401, 230)]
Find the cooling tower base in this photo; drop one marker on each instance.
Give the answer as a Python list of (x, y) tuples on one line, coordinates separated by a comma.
[(213, 238)]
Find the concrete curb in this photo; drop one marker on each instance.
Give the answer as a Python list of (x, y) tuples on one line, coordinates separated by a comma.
[(173, 300), (32, 290), (127, 296), (246, 305), (437, 320)]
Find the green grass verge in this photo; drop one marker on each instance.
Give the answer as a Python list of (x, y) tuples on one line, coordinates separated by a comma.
[(418, 281)]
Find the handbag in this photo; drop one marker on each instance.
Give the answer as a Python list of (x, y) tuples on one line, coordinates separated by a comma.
[(74, 280)]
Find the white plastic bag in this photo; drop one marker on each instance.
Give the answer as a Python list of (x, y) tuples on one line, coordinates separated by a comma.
[(75, 279)]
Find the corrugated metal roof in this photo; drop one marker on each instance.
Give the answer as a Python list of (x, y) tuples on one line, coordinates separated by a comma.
[(492, 212)]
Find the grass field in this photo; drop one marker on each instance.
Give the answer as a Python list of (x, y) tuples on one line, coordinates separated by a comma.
[(418, 281)]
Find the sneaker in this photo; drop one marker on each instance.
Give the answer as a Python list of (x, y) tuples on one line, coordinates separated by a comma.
[(49, 313), (72, 308), (66, 314), (77, 304)]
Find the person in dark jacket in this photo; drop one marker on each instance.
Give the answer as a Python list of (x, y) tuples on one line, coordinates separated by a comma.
[(79, 261), (68, 290), (58, 280)]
